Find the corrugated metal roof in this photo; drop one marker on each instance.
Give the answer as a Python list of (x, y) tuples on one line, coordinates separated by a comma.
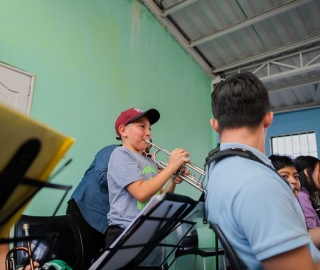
[(279, 40)]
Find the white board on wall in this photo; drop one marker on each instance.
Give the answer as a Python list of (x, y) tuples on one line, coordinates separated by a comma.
[(16, 88)]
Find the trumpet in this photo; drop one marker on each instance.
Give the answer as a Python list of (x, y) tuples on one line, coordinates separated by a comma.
[(10, 264), (190, 179)]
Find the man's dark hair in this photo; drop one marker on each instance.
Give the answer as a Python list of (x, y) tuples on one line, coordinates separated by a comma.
[(309, 163), (240, 101), (280, 162)]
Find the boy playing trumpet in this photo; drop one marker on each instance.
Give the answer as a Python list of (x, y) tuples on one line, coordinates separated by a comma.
[(132, 177)]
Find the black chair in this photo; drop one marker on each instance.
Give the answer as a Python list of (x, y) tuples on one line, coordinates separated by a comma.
[(190, 246), (233, 260), (56, 237)]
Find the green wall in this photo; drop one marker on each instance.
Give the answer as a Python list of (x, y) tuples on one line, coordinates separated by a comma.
[(93, 59)]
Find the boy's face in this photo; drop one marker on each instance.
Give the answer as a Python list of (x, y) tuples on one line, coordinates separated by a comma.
[(290, 174), (136, 133)]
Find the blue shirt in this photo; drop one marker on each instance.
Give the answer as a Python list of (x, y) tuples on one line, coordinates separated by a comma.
[(92, 194), (255, 209)]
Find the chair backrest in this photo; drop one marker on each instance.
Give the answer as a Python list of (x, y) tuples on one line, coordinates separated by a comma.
[(58, 237), (189, 245), (234, 262)]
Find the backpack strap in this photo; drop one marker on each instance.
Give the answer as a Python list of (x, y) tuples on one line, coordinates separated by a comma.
[(217, 155)]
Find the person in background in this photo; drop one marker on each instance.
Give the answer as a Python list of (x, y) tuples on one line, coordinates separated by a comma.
[(308, 169), (285, 167), (89, 204), (254, 207)]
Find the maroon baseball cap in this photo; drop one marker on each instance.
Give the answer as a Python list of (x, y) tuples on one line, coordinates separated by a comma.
[(132, 114)]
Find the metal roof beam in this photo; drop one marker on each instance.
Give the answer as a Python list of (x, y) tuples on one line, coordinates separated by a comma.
[(239, 25), (260, 66), (299, 68), (176, 7), (183, 42), (287, 86), (248, 60), (289, 73)]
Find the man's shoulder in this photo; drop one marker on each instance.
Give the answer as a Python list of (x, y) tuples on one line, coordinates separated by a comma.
[(106, 151), (108, 148)]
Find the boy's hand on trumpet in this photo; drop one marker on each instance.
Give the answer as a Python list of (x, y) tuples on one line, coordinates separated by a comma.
[(176, 179), (178, 157)]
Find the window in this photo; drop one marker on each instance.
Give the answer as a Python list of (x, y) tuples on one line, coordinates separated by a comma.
[(295, 144)]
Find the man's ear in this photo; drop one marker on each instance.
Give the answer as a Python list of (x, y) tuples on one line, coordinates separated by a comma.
[(215, 125), (268, 118)]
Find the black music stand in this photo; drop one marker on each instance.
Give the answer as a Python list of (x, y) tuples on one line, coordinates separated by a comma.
[(163, 214)]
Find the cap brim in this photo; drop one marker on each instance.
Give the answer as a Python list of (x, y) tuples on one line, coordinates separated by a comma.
[(153, 116)]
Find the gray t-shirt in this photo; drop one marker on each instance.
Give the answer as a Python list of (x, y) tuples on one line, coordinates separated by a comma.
[(126, 167)]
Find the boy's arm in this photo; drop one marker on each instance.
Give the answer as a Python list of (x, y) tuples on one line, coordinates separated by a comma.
[(171, 186), (144, 190), (296, 259)]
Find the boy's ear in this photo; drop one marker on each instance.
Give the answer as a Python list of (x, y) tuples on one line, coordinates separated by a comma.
[(215, 125), (122, 130)]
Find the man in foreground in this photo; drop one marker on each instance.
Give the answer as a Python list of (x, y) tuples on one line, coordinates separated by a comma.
[(253, 206)]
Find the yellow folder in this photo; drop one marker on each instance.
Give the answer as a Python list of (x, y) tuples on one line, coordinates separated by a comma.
[(15, 130)]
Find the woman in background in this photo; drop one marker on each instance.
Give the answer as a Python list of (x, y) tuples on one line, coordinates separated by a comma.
[(308, 168)]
